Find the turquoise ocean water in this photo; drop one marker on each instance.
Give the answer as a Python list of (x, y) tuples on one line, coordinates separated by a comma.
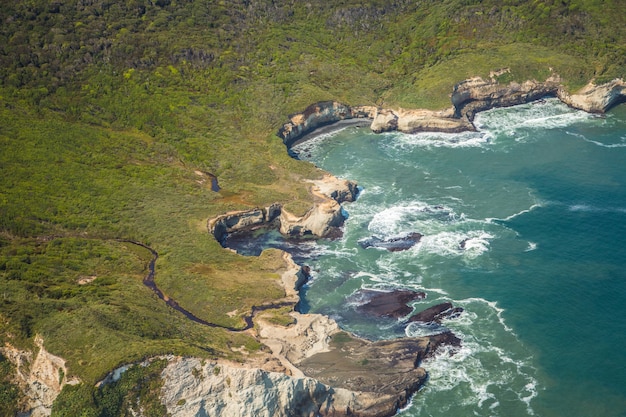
[(538, 196), (524, 226)]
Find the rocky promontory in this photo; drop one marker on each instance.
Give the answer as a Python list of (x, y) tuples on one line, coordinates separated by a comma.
[(322, 220), (314, 368), (468, 97)]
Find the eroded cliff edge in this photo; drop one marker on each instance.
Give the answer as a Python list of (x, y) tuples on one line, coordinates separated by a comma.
[(314, 369), (468, 97)]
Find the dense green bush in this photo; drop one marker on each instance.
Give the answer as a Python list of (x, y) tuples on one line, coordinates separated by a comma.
[(137, 389)]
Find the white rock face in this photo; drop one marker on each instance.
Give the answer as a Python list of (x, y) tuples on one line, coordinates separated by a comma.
[(43, 381), (596, 98), (196, 389)]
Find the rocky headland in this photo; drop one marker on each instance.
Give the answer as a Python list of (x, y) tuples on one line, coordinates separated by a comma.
[(468, 97), (314, 368), (323, 219)]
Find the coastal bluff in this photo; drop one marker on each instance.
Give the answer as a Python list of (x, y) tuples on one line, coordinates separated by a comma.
[(323, 219), (314, 369), (468, 97)]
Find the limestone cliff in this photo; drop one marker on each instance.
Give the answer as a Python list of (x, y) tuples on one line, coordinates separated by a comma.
[(318, 115), (315, 369), (468, 97), (596, 98), (40, 379), (476, 94), (413, 121)]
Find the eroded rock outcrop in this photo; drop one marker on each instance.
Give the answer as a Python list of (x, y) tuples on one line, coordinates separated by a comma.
[(322, 220), (40, 379), (392, 244), (476, 94), (419, 120), (318, 115), (385, 303), (596, 98), (437, 313), (322, 371)]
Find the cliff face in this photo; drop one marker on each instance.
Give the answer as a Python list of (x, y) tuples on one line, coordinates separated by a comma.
[(468, 98), (596, 98), (314, 369), (41, 379), (315, 116), (413, 121), (476, 94), (321, 220), (193, 388)]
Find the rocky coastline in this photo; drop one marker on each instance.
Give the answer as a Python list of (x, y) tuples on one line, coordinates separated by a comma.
[(314, 367), (326, 376), (468, 97)]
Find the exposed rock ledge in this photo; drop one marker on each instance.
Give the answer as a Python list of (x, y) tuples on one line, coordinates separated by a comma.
[(315, 370), (468, 98), (41, 379), (322, 220)]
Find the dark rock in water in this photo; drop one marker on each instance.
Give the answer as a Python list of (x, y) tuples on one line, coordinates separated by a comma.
[(392, 244), (437, 313), (385, 373), (443, 339), (387, 303)]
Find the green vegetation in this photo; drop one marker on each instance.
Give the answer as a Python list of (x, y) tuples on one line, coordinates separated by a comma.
[(114, 113), (9, 392), (137, 389)]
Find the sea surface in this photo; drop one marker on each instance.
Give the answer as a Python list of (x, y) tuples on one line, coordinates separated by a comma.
[(524, 226)]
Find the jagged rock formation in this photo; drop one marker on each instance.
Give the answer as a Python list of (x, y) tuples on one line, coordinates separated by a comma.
[(392, 244), (596, 98), (468, 98), (318, 115), (437, 313), (413, 121), (386, 303), (321, 220), (476, 94), (41, 380)]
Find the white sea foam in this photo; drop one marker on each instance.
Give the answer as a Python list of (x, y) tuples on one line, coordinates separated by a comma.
[(520, 213), (598, 143), (410, 216), (488, 370), (531, 247), (469, 244), (438, 140), (594, 209), (514, 120)]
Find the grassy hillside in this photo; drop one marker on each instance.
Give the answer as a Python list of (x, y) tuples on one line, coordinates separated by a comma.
[(114, 113)]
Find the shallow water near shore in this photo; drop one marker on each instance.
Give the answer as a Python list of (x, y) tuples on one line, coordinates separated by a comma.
[(524, 226)]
